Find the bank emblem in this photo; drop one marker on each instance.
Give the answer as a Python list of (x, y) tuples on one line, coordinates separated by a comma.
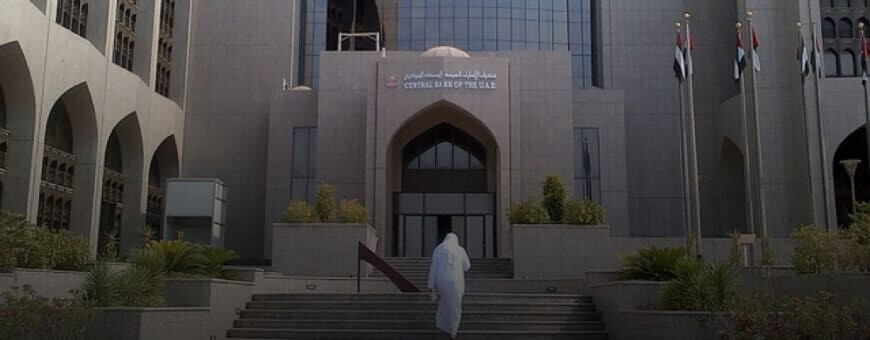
[(392, 82)]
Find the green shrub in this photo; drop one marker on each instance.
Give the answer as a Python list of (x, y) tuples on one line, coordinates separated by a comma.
[(855, 253), (652, 263), (26, 316), (815, 251), (767, 257), (136, 286), (529, 211), (300, 212), (179, 256), (810, 317), (215, 259), (583, 212), (110, 250), (351, 211), (735, 257), (325, 204), (701, 287), (554, 198), (25, 245)]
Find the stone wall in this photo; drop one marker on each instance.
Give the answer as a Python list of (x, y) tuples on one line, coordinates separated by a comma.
[(47, 283), (320, 249), (179, 323)]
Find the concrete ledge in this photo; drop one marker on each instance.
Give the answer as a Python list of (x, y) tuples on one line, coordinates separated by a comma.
[(169, 323), (47, 283), (221, 297), (673, 325), (613, 297), (320, 249)]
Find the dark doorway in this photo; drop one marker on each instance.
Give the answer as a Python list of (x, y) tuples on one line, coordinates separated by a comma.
[(853, 147), (444, 227)]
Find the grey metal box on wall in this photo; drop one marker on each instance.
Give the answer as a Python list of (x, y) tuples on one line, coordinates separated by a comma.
[(196, 210)]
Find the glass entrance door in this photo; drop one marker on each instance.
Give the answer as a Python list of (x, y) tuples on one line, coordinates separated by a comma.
[(423, 220)]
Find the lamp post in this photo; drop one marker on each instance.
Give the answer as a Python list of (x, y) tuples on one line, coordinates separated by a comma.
[(851, 165)]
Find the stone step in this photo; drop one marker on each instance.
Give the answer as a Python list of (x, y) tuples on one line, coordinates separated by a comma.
[(491, 315), (391, 334), (469, 297), (470, 275), (420, 324), (419, 306)]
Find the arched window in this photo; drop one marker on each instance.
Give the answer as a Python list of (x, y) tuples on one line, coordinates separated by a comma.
[(847, 64), (121, 11), (845, 29), (829, 28), (130, 54), (832, 63), (444, 159), (83, 22), (76, 6), (116, 58), (841, 3)]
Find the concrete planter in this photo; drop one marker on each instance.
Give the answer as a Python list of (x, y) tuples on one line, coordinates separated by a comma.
[(170, 323), (612, 298), (47, 283), (222, 297), (673, 325), (556, 250), (320, 249)]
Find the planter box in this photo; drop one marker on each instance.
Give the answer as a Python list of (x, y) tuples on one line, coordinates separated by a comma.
[(557, 250), (320, 249), (612, 298), (47, 283), (672, 325), (222, 297), (171, 323)]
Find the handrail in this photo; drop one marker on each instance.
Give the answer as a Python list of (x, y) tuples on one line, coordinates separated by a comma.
[(366, 254)]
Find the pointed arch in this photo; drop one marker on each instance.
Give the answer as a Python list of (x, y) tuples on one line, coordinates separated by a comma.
[(853, 146), (123, 183), (164, 165), (732, 186), (17, 142)]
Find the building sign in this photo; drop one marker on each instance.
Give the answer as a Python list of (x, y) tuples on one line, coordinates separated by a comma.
[(465, 80)]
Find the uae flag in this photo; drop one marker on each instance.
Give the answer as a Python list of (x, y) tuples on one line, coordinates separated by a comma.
[(679, 60), (865, 53), (739, 58), (756, 59), (803, 57)]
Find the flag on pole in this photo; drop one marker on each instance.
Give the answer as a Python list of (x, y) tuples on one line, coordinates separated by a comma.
[(818, 65), (865, 53), (679, 60), (739, 58), (803, 56), (756, 59), (690, 45)]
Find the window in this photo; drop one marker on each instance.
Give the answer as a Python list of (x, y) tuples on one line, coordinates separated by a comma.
[(845, 29), (164, 47), (73, 14), (839, 34), (444, 159), (587, 172), (125, 34), (832, 64), (847, 64), (302, 185), (829, 29)]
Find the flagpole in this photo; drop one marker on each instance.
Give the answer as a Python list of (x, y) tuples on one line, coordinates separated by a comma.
[(759, 165), (823, 151), (747, 162), (693, 174), (864, 56), (684, 160), (804, 67)]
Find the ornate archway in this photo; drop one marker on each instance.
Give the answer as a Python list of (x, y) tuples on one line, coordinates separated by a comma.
[(853, 147)]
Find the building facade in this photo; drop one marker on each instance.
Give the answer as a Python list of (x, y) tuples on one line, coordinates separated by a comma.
[(530, 88)]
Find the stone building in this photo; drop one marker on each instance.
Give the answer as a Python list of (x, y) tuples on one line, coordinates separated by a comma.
[(430, 138)]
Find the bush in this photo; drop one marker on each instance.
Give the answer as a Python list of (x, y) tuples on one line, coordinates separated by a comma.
[(351, 211), (815, 251), (136, 286), (325, 204), (767, 257), (215, 259), (652, 264), (300, 212), (583, 212), (178, 256), (554, 198), (529, 211), (25, 245), (855, 254), (811, 317), (701, 287), (26, 316)]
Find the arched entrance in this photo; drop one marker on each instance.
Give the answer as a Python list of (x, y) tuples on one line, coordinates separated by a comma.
[(164, 165), (442, 177), (17, 126), (120, 213), (853, 147)]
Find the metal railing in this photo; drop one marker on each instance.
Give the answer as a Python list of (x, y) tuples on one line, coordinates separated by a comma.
[(367, 255)]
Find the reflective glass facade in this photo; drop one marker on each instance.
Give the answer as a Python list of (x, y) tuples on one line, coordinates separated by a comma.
[(472, 25)]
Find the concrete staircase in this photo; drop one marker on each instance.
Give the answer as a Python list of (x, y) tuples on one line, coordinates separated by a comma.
[(411, 316), (416, 269)]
